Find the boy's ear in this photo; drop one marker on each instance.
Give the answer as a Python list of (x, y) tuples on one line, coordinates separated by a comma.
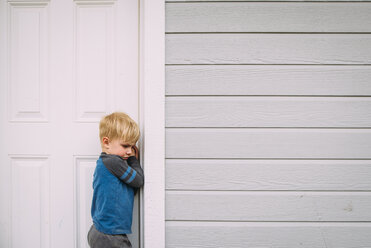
[(105, 141)]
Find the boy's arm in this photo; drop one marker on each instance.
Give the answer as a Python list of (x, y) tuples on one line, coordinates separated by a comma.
[(128, 171), (134, 163)]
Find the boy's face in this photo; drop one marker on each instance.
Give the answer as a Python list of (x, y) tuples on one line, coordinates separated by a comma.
[(117, 147)]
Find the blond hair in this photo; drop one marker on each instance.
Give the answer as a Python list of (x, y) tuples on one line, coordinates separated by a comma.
[(119, 125)]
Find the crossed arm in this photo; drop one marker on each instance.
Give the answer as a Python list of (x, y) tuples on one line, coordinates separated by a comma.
[(128, 171)]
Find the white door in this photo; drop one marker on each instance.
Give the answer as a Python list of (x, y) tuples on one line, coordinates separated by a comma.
[(64, 64)]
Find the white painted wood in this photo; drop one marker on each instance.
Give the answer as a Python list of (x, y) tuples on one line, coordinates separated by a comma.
[(119, 40), (267, 234), (236, 111), (25, 194), (30, 201), (28, 59), (268, 17), (53, 111), (84, 170), (94, 22), (268, 49), (268, 143), (336, 175), (5, 171), (152, 91), (268, 206), (267, 80)]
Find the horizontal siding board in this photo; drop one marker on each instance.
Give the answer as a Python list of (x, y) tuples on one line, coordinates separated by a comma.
[(231, 199), (268, 17), (268, 206), (268, 80), (268, 49), (236, 111), (337, 175), (274, 235), (268, 143), (185, 1)]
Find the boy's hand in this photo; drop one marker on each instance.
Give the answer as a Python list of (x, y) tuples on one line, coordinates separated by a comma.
[(135, 151)]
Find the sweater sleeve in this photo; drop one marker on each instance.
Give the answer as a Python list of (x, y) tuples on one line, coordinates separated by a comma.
[(128, 171)]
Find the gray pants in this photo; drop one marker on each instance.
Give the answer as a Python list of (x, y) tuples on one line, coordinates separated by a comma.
[(97, 239)]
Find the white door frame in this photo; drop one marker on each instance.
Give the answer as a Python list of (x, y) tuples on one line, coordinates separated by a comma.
[(152, 121)]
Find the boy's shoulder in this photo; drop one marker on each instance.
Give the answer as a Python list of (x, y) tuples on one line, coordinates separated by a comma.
[(114, 163), (110, 158)]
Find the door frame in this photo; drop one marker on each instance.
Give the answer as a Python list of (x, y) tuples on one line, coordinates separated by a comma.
[(152, 121)]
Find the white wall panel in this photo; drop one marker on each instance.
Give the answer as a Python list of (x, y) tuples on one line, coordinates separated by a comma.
[(267, 115), (94, 52), (238, 111), (268, 80), (268, 206), (267, 234), (268, 17), (84, 169), (226, 174), (268, 49), (169, 1), (268, 143), (30, 201), (28, 59)]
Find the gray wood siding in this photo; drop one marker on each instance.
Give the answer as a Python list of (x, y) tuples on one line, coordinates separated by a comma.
[(263, 17), (248, 143), (268, 175), (273, 80), (340, 49), (268, 234), (268, 124), (254, 206), (244, 111), (185, 1)]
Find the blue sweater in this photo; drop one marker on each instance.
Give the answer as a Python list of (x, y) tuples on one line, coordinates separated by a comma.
[(115, 182)]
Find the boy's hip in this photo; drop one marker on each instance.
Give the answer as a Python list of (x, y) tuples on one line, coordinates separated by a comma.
[(97, 239)]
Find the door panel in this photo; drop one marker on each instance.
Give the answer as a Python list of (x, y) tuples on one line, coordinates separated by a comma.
[(64, 64)]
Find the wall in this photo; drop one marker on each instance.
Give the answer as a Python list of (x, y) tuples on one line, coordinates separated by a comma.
[(268, 116)]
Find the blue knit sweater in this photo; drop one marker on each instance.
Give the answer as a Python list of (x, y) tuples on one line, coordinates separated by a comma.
[(115, 182)]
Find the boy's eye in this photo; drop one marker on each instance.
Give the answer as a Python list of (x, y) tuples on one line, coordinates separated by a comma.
[(126, 146)]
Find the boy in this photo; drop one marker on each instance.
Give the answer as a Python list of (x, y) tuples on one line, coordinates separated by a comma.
[(117, 176)]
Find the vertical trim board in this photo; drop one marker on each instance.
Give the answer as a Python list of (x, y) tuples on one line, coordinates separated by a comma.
[(152, 67)]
